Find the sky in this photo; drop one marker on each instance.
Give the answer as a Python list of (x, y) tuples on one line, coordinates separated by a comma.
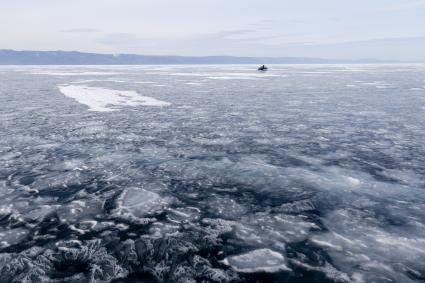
[(334, 29)]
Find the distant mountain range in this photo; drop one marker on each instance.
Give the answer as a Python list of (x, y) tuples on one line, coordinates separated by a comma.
[(13, 57)]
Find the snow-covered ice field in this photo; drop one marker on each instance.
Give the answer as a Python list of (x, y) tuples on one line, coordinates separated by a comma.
[(309, 173)]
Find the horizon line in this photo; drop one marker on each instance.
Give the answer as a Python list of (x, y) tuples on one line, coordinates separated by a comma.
[(352, 60)]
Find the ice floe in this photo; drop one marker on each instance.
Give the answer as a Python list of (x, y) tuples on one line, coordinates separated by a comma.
[(138, 203), (261, 260)]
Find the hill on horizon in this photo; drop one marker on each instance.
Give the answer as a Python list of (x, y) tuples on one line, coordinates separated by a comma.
[(14, 57)]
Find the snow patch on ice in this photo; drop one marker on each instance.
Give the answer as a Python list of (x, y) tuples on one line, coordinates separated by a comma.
[(105, 80), (193, 83), (50, 73), (103, 100), (144, 82), (232, 78)]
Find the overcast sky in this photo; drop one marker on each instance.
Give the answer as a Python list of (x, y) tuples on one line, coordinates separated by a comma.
[(383, 29)]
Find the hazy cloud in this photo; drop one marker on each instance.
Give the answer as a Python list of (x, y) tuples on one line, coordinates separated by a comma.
[(119, 38), (80, 30), (244, 35), (217, 27), (403, 48), (232, 33), (393, 40), (129, 42), (404, 5)]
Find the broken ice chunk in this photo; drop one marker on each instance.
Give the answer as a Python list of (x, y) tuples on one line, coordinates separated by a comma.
[(261, 260), (138, 203)]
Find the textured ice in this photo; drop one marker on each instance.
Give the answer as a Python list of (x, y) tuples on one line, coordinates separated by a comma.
[(356, 242), (12, 236), (273, 230), (293, 175), (102, 99)]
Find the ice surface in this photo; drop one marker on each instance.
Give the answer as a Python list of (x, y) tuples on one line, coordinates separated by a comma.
[(354, 242), (233, 78), (104, 100), (273, 230), (306, 173), (12, 236)]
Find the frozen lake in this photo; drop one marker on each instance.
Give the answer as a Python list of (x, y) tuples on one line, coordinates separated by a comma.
[(309, 173)]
